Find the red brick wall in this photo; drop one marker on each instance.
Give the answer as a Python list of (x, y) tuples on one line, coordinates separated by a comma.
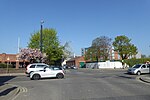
[(78, 60), (75, 61)]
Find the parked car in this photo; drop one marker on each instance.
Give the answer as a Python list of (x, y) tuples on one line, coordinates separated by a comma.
[(48, 72), (35, 67), (74, 67), (139, 69)]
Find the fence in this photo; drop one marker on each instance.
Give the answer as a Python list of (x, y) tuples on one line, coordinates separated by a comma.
[(107, 64)]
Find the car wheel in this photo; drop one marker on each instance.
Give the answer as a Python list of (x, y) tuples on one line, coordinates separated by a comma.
[(60, 76), (36, 77), (138, 73)]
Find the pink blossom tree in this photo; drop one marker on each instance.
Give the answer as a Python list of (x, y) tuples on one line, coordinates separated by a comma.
[(31, 55)]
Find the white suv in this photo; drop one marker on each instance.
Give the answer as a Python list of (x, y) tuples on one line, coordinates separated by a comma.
[(35, 67), (48, 72)]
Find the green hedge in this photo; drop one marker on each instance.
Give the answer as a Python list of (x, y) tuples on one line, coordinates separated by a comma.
[(134, 61), (3, 65)]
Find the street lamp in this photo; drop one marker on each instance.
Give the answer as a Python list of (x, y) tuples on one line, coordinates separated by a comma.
[(7, 65), (41, 35)]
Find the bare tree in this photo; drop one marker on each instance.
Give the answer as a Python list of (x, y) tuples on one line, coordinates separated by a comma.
[(100, 48)]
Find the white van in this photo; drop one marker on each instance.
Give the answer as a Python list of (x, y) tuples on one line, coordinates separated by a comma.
[(139, 69)]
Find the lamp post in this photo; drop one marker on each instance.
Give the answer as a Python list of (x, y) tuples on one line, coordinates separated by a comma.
[(41, 35), (7, 65), (17, 61)]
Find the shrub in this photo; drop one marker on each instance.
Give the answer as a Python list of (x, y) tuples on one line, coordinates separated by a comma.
[(134, 61), (4, 65)]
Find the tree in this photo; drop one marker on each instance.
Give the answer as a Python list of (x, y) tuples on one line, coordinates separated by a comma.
[(124, 48), (144, 56), (100, 48), (32, 55), (102, 45), (91, 54), (67, 50), (51, 45)]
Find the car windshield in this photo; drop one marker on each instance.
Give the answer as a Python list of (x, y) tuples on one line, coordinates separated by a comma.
[(136, 66)]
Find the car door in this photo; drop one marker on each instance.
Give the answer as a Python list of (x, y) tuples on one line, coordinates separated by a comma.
[(144, 69), (32, 68), (48, 72)]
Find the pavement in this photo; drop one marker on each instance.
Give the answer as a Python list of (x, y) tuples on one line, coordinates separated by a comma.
[(145, 78), (10, 91), (12, 74)]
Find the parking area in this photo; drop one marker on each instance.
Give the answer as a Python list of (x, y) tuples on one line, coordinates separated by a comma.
[(87, 84)]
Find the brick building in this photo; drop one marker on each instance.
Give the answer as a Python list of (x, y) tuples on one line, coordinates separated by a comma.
[(76, 61), (13, 59), (113, 55)]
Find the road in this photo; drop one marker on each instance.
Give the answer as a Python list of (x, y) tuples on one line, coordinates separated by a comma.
[(84, 84)]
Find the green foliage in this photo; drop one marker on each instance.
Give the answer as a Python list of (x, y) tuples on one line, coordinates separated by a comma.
[(134, 61), (91, 54), (4, 65), (51, 45), (143, 56), (123, 46)]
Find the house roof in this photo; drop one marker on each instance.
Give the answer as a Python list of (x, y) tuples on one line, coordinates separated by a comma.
[(8, 57)]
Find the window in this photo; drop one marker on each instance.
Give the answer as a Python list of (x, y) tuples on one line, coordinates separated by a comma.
[(136, 66), (148, 65), (56, 68), (143, 66), (32, 66), (40, 66)]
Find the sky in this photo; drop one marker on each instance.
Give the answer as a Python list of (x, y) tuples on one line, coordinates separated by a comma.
[(78, 22)]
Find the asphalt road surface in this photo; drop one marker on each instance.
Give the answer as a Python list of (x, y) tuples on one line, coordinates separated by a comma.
[(84, 84)]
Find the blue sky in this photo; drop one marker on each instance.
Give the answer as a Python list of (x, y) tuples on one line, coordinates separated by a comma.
[(77, 21)]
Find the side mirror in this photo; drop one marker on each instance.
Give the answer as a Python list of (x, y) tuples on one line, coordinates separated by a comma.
[(44, 70)]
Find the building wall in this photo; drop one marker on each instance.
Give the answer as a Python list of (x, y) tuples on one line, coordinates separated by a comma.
[(12, 59), (113, 55), (70, 63), (116, 56), (78, 60), (8, 57), (75, 61)]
